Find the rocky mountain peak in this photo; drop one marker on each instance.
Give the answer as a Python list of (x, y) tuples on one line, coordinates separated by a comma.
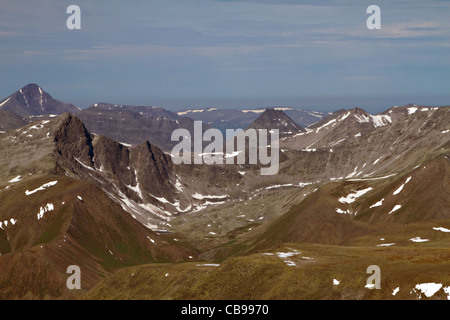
[(276, 119), (32, 100), (72, 138)]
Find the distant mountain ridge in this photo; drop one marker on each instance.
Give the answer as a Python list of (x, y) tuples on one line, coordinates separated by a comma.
[(146, 111), (134, 125), (223, 119)]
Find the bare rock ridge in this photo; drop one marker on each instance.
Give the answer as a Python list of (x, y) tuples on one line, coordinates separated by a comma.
[(107, 159), (140, 179), (31, 100)]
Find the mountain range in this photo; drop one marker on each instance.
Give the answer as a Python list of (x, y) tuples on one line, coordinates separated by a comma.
[(133, 125), (353, 189), (223, 119)]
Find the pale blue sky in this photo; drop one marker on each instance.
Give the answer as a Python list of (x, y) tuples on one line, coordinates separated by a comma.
[(197, 53)]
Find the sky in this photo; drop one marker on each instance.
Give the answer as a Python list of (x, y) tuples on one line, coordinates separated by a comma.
[(182, 54)]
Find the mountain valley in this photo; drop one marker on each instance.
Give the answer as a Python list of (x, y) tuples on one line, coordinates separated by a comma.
[(98, 188)]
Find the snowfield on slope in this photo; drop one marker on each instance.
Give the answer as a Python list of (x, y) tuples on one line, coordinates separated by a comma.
[(43, 187), (353, 196)]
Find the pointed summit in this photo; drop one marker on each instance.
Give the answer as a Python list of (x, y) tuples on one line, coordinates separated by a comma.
[(276, 119), (31, 100)]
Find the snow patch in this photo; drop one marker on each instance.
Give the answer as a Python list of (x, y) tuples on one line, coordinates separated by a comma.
[(447, 291), (395, 208), (47, 208), (325, 125), (16, 179), (126, 144), (398, 190), (401, 187), (5, 101), (428, 289), (380, 120), (254, 111), (378, 204), (82, 164), (418, 239), (385, 244), (201, 197), (136, 189), (362, 118), (285, 255), (441, 229), (353, 196), (376, 178), (300, 185), (5, 223), (345, 116), (376, 161), (178, 185), (412, 110), (43, 187)]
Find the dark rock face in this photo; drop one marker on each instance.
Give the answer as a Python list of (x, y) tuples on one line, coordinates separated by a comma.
[(154, 169), (73, 140), (98, 153), (276, 119), (130, 176), (31, 100)]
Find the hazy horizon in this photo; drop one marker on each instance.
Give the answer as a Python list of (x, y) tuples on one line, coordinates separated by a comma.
[(325, 104)]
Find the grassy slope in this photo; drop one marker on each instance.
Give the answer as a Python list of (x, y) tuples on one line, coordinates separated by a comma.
[(92, 232), (347, 248), (259, 276)]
